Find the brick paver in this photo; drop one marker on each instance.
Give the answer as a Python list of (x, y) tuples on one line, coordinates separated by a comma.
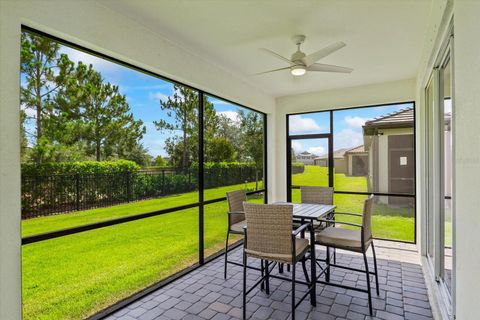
[(204, 294)]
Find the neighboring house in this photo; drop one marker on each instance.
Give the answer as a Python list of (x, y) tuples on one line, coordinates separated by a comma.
[(387, 157), (350, 161), (339, 160), (306, 158), (356, 161), (389, 141)]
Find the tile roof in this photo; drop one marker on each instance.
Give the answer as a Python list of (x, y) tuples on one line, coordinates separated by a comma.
[(359, 149), (403, 117), (336, 154)]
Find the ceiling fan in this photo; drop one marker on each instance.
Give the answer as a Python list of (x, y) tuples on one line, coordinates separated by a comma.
[(300, 63)]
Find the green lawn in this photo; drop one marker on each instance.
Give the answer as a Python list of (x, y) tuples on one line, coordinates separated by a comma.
[(69, 220), (72, 277), (387, 222), (318, 176)]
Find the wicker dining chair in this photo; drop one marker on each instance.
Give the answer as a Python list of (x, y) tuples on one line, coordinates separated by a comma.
[(351, 240), (236, 218), (269, 237), (319, 195)]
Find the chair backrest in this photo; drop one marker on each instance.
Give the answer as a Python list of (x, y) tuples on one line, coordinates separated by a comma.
[(317, 195), (269, 228), (235, 204), (367, 219)]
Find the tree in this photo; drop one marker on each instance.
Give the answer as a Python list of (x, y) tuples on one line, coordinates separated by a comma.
[(100, 113), (138, 154), (44, 70), (23, 137), (160, 161), (230, 130), (251, 124), (220, 149), (182, 115), (182, 106)]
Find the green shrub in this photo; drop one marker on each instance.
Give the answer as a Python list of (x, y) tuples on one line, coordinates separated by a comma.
[(79, 167), (298, 167)]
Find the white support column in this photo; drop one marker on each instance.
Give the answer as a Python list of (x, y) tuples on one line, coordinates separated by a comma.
[(466, 158), (10, 242)]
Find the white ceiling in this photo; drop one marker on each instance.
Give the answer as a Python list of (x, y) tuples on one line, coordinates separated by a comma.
[(384, 37)]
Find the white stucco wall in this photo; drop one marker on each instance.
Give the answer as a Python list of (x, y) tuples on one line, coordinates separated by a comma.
[(466, 145), (368, 95), (467, 157), (96, 27)]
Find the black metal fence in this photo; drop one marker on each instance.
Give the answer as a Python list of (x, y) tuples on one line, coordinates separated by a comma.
[(53, 194)]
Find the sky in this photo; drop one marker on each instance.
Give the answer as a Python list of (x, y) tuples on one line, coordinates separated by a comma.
[(143, 93), (347, 127)]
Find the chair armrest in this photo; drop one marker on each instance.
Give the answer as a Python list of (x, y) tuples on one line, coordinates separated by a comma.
[(301, 228), (236, 212), (349, 214), (341, 222)]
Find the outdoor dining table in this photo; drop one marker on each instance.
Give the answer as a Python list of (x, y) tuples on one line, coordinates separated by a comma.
[(309, 211)]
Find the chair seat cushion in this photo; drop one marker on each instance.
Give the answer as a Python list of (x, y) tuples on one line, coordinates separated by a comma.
[(238, 227), (301, 247), (341, 238)]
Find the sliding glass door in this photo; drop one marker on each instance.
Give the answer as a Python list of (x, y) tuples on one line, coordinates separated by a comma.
[(446, 157), (440, 215)]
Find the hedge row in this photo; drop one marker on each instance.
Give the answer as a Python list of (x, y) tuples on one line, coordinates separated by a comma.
[(98, 184), (298, 167), (80, 167), (94, 167)]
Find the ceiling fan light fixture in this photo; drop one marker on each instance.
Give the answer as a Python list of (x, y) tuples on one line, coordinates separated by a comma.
[(298, 70)]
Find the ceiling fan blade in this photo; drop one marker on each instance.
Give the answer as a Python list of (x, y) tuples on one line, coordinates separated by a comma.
[(274, 54), (314, 57), (280, 69), (328, 68)]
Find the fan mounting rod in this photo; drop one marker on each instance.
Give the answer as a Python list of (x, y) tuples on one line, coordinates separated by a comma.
[(298, 39)]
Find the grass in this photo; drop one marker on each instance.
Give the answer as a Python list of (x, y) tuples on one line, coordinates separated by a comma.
[(387, 222), (61, 221), (318, 176), (75, 276)]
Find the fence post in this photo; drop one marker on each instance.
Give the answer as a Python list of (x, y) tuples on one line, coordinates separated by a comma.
[(129, 186), (77, 192)]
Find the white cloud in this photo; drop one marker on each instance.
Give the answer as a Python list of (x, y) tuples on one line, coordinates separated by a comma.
[(158, 96), (355, 122), (297, 146), (99, 64), (348, 138), (30, 112), (300, 124), (232, 115), (134, 87), (155, 145), (220, 102), (316, 150)]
